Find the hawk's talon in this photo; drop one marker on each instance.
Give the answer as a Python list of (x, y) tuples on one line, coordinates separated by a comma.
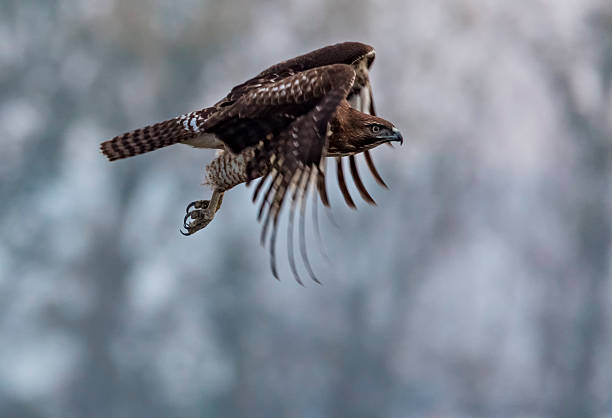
[(200, 219), (196, 211), (198, 204), (198, 216)]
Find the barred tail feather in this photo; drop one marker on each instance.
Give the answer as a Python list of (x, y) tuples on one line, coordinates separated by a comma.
[(156, 136), (145, 139)]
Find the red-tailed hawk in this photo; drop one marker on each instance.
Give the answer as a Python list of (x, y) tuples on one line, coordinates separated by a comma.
[(280, 126)]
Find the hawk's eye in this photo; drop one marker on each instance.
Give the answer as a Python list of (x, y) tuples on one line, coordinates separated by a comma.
[(375, 129)]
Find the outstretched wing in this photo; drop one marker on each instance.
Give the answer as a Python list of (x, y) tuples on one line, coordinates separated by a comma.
[(361, 98), (366, 105), (292, 153)]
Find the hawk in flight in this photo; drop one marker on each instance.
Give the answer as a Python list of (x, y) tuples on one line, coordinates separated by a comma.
[(279, 126)]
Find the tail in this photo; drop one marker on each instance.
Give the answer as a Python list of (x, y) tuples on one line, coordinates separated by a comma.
[(155, 136)]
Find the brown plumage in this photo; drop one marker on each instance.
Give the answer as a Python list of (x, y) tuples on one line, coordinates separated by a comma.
[(280, 125)]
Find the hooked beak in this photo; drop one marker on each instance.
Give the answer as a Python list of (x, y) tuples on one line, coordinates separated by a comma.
[(395, 137), (398, 136)]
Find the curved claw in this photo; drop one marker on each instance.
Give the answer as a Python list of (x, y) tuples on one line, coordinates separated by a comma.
[(198, 214), (196, 205), (189, 206)]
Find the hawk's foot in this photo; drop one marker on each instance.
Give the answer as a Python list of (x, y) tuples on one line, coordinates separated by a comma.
[(200, 213), (197, 217)]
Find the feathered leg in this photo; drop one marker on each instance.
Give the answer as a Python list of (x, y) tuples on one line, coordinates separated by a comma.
[(224, 172)]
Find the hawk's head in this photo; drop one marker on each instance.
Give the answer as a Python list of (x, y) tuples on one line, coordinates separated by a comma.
[(353, 131)]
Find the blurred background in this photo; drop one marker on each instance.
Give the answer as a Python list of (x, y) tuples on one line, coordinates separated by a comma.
[(479, 287)]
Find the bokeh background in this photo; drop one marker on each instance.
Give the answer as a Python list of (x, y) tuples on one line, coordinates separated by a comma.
[(479, 287)]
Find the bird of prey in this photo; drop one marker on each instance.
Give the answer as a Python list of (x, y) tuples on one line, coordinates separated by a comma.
[(279, 126)]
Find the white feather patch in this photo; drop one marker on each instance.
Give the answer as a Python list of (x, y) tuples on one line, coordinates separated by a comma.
[(194, 124)]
